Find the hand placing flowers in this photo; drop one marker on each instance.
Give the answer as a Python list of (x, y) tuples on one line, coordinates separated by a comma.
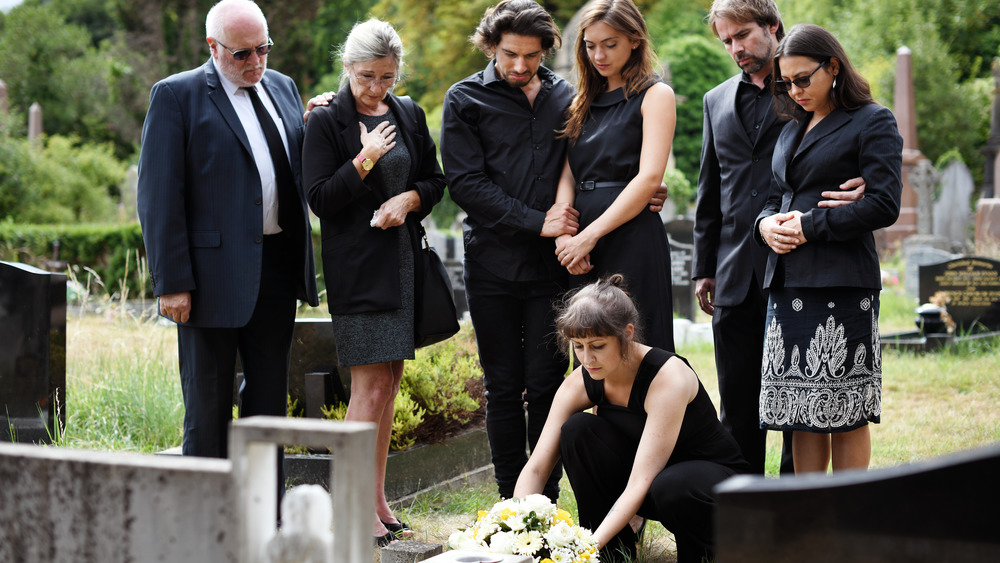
[(532, 526)]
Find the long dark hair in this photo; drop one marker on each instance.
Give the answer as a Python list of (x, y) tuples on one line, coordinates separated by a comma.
[(637, 73), (851, 90)]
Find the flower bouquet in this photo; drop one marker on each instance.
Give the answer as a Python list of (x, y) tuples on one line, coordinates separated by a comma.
[(532, 526)]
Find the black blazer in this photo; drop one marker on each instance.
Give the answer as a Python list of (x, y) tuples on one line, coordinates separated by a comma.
[(840, 248), (733, 185), (199, 196), (361, 263)]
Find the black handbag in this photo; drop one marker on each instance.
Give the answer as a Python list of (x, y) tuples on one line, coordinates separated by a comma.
[(436, 317)]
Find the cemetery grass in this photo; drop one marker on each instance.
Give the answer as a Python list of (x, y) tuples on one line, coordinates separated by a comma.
[(123, 394)]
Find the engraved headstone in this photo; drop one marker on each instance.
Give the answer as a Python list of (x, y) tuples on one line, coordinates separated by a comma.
[(32, 352), (971, 286), (680, 235)]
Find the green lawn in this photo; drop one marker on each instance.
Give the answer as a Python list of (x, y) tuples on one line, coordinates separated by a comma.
[(123, 394)]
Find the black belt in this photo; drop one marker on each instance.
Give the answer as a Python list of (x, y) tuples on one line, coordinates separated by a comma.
[(588, 186)]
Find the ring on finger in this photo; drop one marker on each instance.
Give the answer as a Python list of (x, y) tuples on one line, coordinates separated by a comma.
[(775, 237)]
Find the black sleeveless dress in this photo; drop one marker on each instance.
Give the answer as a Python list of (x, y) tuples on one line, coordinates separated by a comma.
[(702, 437), (603, 160)]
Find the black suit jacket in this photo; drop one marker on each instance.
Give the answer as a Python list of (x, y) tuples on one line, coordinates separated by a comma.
[(199, 196), (840, 249), (733, 186), (360, 262)]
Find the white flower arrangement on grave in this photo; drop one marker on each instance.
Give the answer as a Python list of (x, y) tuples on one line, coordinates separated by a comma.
[(532, 526)]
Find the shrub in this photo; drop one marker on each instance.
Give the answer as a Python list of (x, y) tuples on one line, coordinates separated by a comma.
[(63, 181), (111, 252), (440, 392)]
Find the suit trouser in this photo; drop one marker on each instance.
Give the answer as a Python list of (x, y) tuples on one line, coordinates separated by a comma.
[(739, 348), (522, 367), (598, 461), (208, 360)]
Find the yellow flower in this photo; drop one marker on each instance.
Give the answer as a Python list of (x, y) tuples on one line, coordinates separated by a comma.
[(506, 513), (563, 516), (482, 514), (546, 560)]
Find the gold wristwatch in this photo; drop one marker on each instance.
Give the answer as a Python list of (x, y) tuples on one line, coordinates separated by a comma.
[(366, 163)]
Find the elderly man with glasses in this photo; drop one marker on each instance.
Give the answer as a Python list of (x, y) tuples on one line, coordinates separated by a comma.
[(225, 223)]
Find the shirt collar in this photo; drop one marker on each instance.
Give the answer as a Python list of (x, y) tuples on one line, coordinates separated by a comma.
[(228, 85), (746, 79)]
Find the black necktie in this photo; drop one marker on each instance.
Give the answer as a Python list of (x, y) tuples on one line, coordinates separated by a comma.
[(288, 205)]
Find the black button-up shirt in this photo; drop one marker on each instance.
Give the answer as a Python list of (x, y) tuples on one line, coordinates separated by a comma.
[(503, 163), (753, 103)]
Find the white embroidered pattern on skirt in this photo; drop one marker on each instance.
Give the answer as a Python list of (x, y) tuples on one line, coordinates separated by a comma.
[(829, 391)]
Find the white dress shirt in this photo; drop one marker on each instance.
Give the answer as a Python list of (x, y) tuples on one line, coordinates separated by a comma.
[(258, 144)]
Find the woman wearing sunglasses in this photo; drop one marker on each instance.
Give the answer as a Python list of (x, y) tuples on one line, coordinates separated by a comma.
[(370, 169), (822, 368)]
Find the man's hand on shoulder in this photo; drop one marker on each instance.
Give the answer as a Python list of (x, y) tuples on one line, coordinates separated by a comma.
[(323, 99), (850, 191), (560, 219), (176, 306)]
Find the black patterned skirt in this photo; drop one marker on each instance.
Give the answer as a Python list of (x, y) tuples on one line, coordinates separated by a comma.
[(822, 365)]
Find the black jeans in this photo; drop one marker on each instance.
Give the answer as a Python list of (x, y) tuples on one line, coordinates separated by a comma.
[(522, 367)]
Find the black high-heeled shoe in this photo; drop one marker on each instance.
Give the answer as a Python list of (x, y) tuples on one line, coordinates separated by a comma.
[(384, 540), (399, 528)]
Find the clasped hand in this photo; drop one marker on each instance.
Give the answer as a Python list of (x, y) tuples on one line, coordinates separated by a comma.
[(573, 253), (783, 231), (392, 212)]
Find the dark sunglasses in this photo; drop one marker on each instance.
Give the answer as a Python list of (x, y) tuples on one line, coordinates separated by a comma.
[(800, 83), (244, 54)]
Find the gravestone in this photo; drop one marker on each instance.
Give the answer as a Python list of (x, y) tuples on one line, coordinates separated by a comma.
[(314, 377), (972, 285), (932, 511), (680, 235), (952, 214), (35, 123), (917, 255), (32, 352), (988, 227)]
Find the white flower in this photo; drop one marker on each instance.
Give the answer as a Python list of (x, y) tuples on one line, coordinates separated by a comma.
[(502, 542), (561, 556), (527, 543), (560, 535)]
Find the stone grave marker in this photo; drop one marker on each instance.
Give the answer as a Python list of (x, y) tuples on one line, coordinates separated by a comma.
[(32, 352), (952, 214), (927, 511), (680, 235), (972, 285), (917, 255)]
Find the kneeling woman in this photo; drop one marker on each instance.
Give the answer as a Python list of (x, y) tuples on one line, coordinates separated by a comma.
[(655, 447)]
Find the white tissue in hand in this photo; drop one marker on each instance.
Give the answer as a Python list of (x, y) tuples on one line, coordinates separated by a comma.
[(374, 218)]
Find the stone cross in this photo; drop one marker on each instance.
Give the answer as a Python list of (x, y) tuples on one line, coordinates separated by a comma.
[(35, 123), (924, 178)]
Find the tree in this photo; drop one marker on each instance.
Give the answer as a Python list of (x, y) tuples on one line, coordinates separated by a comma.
[(697, 65)]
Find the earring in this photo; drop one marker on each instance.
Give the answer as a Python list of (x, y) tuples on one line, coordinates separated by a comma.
[(834, 82)]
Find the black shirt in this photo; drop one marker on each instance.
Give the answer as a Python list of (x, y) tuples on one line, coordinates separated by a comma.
[(503, 163), (753, 103)]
